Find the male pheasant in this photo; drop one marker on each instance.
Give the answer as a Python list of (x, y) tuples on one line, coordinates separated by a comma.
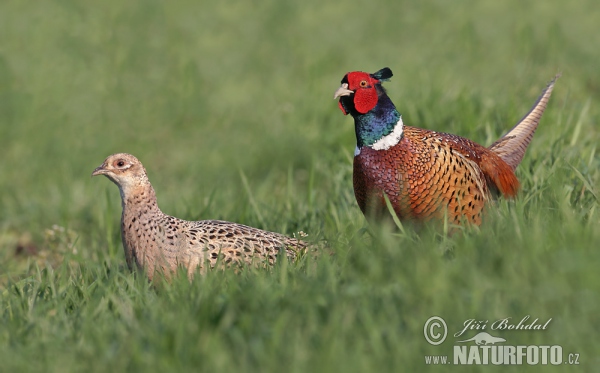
[(426, 174), (155, 241)]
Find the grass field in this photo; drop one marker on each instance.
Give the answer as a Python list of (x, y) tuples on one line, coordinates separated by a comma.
[(229, 106)]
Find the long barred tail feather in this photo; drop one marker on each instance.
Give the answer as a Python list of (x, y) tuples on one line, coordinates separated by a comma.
[(512, 146)]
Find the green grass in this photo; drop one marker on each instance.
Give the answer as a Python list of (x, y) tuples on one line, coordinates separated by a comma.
[(229, 106)]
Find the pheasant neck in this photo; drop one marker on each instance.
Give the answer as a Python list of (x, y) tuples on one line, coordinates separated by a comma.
[(140, 222), (380, 128), (141, 198)]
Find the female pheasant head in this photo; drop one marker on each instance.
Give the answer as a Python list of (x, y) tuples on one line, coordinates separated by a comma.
[(126, 171), (377, 122)]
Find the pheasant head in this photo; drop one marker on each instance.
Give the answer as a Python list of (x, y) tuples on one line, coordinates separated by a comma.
[(358, 92), (375, 116), (126, 171)]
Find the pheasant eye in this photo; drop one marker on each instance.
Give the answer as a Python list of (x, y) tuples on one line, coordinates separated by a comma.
[(363, 83), (120, 163)]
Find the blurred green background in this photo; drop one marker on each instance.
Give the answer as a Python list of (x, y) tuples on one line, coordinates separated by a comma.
[(229, 106)]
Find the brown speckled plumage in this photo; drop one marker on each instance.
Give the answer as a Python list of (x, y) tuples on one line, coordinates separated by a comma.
[(155, 241), (426, 174)]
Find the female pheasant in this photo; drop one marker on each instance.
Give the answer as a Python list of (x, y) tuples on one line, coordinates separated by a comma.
[(427, 174), (155, 241)]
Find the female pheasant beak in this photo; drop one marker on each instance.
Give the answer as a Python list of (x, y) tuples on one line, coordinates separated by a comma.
[(100, 170), (342, 91)]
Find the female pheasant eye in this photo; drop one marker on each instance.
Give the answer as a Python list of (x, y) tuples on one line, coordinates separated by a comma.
[(120, 163), (363, 83)]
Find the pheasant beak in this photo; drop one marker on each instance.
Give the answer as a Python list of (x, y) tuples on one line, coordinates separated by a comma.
[(342, 91), (100, 171)]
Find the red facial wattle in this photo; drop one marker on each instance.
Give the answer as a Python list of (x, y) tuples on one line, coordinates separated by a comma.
[(365, 93)]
